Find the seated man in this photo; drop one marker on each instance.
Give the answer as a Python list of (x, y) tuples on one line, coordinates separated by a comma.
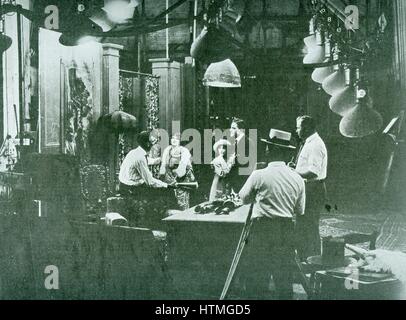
[(149, 196), (278, 193)]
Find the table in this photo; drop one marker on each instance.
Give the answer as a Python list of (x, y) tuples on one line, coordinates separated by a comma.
[(200, 250), (355, 284), (239, 216), (315, 264)]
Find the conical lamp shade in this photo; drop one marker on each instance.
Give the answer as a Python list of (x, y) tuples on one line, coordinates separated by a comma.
[(75, 40), (78, 30), (344, 101), (335, 82), (101, 19), (210, 46), (361, 121), (119, 11), (5, 42), (222, 74), (315, 56), (310, 42), (320, 74)]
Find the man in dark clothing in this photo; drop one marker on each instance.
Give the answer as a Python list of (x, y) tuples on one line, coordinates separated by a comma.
[(245, 150)]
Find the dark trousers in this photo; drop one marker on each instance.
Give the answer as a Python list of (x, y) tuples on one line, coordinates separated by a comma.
[(146, 207), (307, 226), (269, 251)]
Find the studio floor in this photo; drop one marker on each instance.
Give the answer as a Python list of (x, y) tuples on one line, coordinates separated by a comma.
[(391, 226)]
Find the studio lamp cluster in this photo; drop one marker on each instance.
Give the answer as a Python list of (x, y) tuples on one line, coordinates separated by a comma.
[(338, 72)]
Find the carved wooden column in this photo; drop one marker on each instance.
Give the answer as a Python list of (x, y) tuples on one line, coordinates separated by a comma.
[(111, 77), (111, 98), (170, 92)]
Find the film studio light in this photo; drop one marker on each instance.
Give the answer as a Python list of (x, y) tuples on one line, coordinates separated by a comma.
[(5, 41), (222, 74), (316, 53), (79, 29), (321, 73), (311, 40), (212, 45), (120, 11), (362, 120), (345, 100), (114, 12), (335, 82)]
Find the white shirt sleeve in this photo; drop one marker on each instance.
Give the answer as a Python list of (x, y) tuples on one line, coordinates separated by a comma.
[(248, 191), (315, 160), (301, 202), (147, 176)]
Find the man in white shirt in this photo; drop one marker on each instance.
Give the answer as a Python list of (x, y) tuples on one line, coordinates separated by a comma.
[(312, 166), (134, 171), (149, 195), (278, 193)]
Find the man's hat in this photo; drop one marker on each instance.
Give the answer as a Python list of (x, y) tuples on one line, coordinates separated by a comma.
[(279, 138)]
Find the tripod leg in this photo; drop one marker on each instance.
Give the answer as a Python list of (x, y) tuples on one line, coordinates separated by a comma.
[(237, 255)]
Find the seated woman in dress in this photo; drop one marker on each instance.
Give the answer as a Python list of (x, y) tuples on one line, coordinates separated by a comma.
[(176, 166), (220, 186)]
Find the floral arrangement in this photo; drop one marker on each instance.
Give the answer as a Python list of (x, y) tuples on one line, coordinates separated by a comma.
[(152, 102), (78, 118)]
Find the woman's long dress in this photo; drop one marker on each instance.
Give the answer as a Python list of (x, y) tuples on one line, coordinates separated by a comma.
[(177, 167), (220, 186)]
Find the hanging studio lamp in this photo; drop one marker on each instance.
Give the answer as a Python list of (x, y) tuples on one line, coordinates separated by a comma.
[(335, 82), (321, 73), (311, 40), (210, 46), (100, 17), (78, 30), (361, 121), (222, 74), (120, 11), (316, 54), (345, 100), (5, 42), (71, 40)]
